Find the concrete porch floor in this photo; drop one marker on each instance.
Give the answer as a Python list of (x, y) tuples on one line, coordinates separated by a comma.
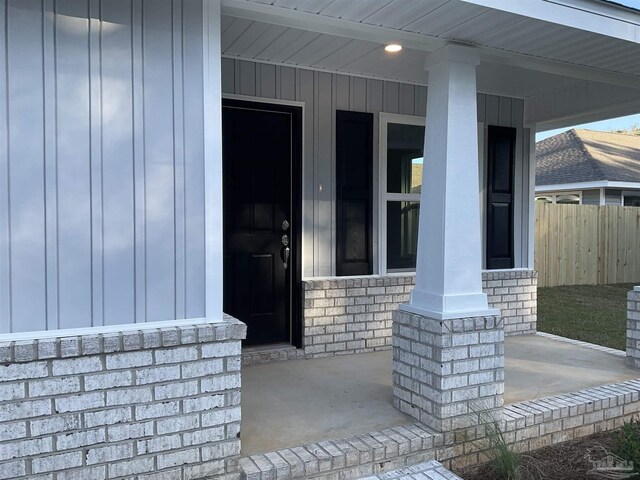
[(297, 402)]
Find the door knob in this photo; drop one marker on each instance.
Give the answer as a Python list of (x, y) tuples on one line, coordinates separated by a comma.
[(287, 250)]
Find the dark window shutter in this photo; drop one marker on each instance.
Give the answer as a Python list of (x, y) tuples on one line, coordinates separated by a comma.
[(500, 164), (354, 165)]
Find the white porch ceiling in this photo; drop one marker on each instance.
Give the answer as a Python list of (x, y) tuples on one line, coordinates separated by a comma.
[(531, 58), (270, 43), (469, 23)]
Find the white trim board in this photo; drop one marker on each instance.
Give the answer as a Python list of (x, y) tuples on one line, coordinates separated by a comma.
[(587, 185), (212, 109)]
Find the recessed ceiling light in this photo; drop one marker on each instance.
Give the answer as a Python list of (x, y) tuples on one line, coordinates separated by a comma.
[(393, 48)]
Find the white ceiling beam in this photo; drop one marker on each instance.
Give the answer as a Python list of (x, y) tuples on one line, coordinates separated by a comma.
[(590, 16), (588, 115), (557, 67)]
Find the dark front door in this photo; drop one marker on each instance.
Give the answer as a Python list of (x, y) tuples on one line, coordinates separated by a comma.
[(261, 152)]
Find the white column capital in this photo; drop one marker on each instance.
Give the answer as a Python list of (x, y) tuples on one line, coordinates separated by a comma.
[(452, 53)]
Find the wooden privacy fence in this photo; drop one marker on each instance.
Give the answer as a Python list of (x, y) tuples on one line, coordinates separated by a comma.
[(586, 245)]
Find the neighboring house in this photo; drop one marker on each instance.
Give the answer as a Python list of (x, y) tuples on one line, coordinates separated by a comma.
[(589, 168), (162, 159)]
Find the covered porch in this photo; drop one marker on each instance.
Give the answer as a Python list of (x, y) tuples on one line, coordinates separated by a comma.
[(145, 141), (480, 97), (299, 402)]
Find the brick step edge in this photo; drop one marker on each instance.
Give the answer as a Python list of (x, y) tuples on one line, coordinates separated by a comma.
[(258, 357), (350, 458), (432, 470)]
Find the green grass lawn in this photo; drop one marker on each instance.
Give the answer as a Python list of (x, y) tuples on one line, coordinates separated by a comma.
[(590, 313)]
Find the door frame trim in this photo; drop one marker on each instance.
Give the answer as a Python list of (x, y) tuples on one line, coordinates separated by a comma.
[(297, 207), (273, 101)]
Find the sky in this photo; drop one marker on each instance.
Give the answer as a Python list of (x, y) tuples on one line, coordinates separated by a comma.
[(629, 3), (620, 123)]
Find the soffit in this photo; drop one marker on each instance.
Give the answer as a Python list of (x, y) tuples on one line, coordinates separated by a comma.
[(453, 20)]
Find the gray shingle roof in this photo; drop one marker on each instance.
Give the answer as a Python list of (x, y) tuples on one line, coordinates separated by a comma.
[(586, 156)]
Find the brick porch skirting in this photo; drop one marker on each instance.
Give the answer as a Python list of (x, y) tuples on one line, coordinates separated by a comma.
[(353, 314), (148, 403)]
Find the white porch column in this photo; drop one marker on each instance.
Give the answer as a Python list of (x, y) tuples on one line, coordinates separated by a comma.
[(448, 270), (448, 346)]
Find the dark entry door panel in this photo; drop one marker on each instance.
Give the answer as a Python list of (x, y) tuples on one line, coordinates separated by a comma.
[(258, 158)]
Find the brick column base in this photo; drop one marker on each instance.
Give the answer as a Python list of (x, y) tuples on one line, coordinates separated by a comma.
[(448, 374), (633, 328)]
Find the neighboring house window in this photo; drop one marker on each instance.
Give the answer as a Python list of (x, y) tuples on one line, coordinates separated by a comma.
[(401, 153), (567, 198), (631, 199)]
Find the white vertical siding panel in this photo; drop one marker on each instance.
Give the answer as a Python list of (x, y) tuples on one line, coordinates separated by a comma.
[(375, 96), (236, 76), (492, 110), (5, 269), (159, 164), (287, 84), (304, 89), (139, 197), (517, 112), (391, 97), (421, 101), (504, 112), (51, 163), (341, 92), (178, 159), (247, 78), (96, 254), (118, 179), (267, 81), (481, 99), (193, 155), (358, 88), (407, 100), (325, 168), (26, 182), (228, 75)]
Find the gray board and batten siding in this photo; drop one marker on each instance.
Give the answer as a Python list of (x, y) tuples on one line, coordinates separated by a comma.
[(323, 93), (101, 192)]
